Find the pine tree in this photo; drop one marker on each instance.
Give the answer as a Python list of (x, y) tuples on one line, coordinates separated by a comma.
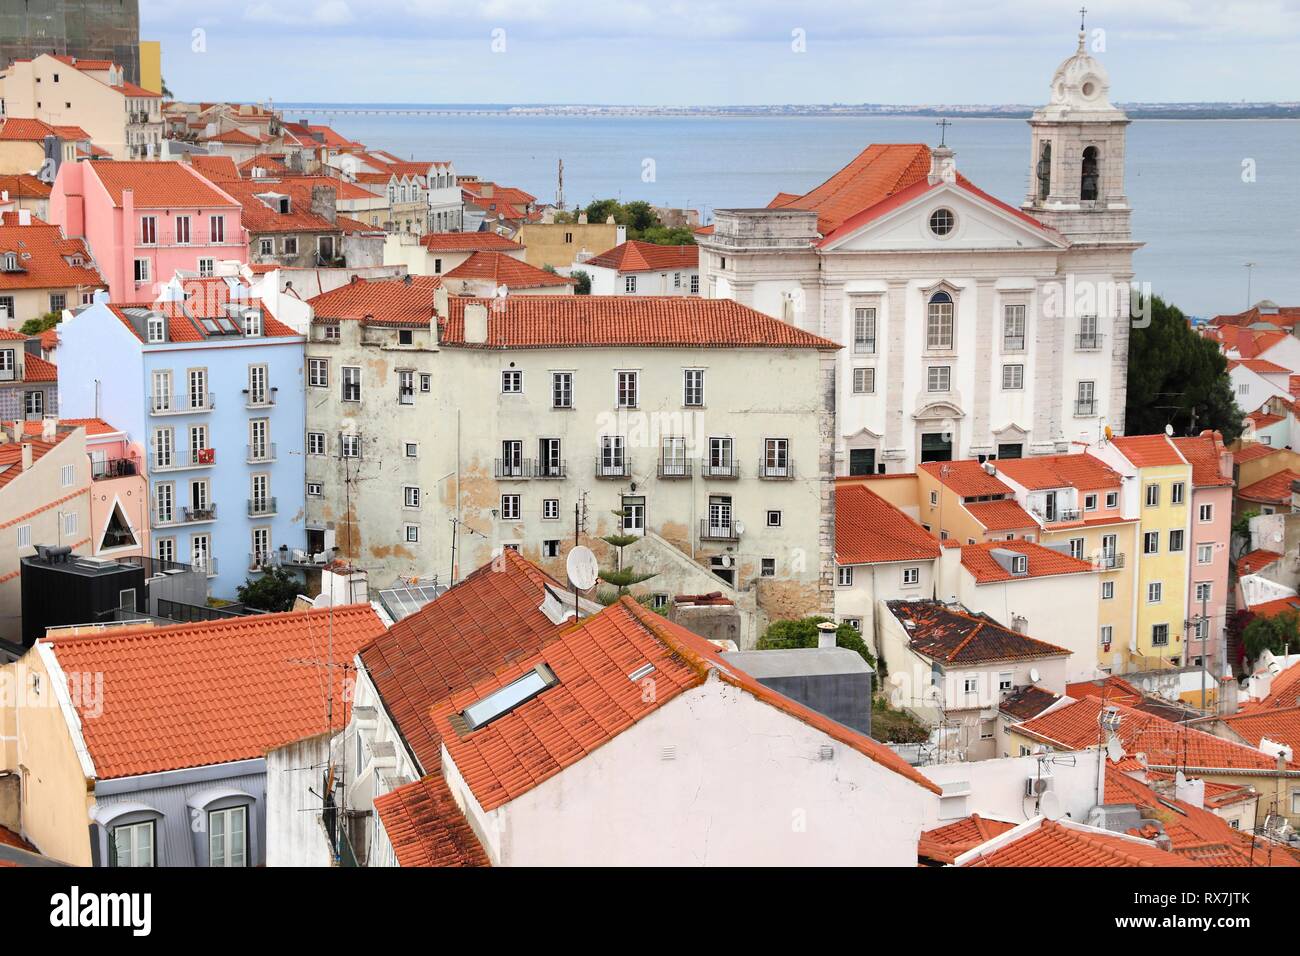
[(623, 575)]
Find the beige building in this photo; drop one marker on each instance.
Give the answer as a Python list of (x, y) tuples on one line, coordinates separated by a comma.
[(121, 117), (561, 244), (437, 253), (622, 416)]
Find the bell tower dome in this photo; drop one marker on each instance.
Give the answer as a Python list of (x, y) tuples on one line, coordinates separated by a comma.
[(1076, 171)]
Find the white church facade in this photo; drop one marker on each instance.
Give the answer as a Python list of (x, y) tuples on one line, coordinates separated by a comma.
[(970, 328)]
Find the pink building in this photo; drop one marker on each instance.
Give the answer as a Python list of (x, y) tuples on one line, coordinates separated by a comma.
[(1211, 520), (145, 220)]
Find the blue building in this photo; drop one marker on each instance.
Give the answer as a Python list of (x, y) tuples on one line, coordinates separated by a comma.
[(211, 384)]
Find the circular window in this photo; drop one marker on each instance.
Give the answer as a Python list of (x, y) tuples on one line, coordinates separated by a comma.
[(942, 222), (1089, 88)]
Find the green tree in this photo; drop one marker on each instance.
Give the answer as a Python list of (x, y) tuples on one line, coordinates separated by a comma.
[(623, 575), (36, 326), (275, 590), (641, 222), (1275, 634), (1178, 378), (804, 633), (1241, 534), (583, 281)]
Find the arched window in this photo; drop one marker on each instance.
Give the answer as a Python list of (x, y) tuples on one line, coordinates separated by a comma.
[(938, 332), (1045, 171), (1088, 184)]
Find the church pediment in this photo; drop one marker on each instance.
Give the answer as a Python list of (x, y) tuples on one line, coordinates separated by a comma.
[(972, 220)]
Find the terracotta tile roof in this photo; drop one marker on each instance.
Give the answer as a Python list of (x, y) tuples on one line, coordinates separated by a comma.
[(215, 168), (24, 186), (50, 339), (10, 838), (1282, 605), (261, 217), (1146, 451), (1043, 562), (1284, 691), (45, 259), (594, 701), (93, 426), (1167, 745), (128, 88), (505, 270), (1004, 515), (1251, 451), (468, 242), (1263, 366), (211, 693), (236, 137), (584, 321), (966, 477), (1284, 316), (1203, 454), (205, 298), (637, 256), (1112, 689), (876, 173), (1024, 703), (379, 302), (1256, 560), (944, 844), (1263, 419), (1275, 489), (954, 635), (26, 129), (1277, 723), (1053, 844), (159, 185), (1081, 471), (1251, 343), (426, 827), (11, 458), (869, 530), (270, 165), (490, 618), (37, 369)]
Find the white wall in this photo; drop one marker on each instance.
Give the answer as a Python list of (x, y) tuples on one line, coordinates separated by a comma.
[(873, 583), (295, 835), (996, 788)]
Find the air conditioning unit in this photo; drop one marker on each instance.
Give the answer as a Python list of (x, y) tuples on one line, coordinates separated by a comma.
[(1037, 786)]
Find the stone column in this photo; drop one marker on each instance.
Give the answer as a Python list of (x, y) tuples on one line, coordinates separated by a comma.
[(981, 438), (894, 334)]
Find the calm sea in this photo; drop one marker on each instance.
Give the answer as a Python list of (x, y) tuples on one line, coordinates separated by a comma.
[(1201, 220)]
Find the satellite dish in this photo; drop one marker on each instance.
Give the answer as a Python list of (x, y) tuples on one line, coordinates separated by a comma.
[(1050, 806), (725, 560), (1033, 675), (740, 527), (1169, 430), (582, 567), (1114, 750)]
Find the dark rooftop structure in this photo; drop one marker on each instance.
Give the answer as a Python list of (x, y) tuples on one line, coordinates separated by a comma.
[(834, 681)]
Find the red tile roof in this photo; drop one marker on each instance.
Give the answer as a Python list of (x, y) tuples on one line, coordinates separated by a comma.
[(215, 692), (159, 185), (262, 217), (1024, 703), (637, 256), (468, 242), (1203, 454), (1250, 343), (869, 530), (1284, 316), (379, 302), (45, 259), (215, 168), (1112, 689), (507, 271), (585, 321), (11, 458), (876, 173), (1277, 723), (1081, 471), (1263, 366), (1167, 745), (1275, 489), (1071, 845), (1256, 560), (953, 635), (24, 186), (1282, 605), (1251, 451), (1004, 515), (1043, 562), (426, 827), (944, 844), (594, 701), (1146, 451), (462, 637), (26, 129), (966, 477), (10, 838)]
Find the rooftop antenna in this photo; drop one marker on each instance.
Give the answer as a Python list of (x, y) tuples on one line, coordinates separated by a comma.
[(1250, 266)]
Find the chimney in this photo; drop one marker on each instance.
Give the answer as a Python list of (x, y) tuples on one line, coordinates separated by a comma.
[(943, 165), (27, 454), (476, 323), (440, 301), (582, 218), (49, 426), (323, 203), (24, 217), (826, 634)]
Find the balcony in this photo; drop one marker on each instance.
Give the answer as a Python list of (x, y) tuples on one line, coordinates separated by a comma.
[(405, 396), (776, 472), (14, 374), (1013, 343), (260, 453), (607, 467), (199, 515), (1108, 561), (512, 469), (675, 468), (178, 461), (260, 398), (1057, 515), (728, 470), (261, 507), (1088, 342), (113, 468), (552, 470), (717, 530), (1085, 407), (187, 403)]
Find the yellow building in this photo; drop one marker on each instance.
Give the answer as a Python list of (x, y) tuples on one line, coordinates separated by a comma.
[(558, 244), (151, 66)]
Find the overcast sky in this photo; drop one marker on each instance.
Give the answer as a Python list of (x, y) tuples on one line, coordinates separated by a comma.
[(716, 51)]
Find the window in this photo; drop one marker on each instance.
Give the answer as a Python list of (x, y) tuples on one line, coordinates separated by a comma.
[(207, 266), (411, 496), (1107, 634), (629, 284), (561, 389), (626, 391), (67, 475), (1013, 328), (939, 321), (266, 247), (846, 577), (1013, 377), (1176, 493), (406, 387), (1005, 682), (911, 576), (934, 498), (1206, 513), (1159, 635), (510, 508), (1076, 548), (1089, 502), (1107, 590), (1153, 496), (773, 519), (938, 378), (412, 532), (1112, 499), (1085, 403), (1155, 592), (550, 460), (550, 509), (695, 284), (551, 548), (1176, 540), (1019, 564), (970, 685), (70, 523), (58, 301), (133, 845), (228, 837), (24, 535), (141, 270), (864, 381), (183, 230), (864, 331), (512, 381), (426, 382), (315, 443), (318, 372), (351, 383), (776, 458), (1089, 175), (767, 568), (612, 461), (1204, 554), (693, 387), (331, 332), (942, 221), (1203, 591), (148, 230), (314, 489), (350, 446), (1151, 542), (290, 245), (217, 228), (411, 449)]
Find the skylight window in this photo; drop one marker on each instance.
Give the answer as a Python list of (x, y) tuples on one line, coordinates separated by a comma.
[(501, 702), (645, 670)]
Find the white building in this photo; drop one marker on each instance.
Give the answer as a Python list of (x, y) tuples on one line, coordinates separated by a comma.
[(643, 268), (972, 327)]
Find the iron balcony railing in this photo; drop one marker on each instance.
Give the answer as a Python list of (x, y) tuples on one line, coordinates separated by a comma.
[(265, 451), (607, 467), (508, 469), (175, 461), (194, 515), (552, 469), (712, 529), (1085, 406), (675, 468), (783, 471), (184, 403), (1109, 561), (864, 346), (1013, 343), (261, 506), (113, 468), (1088, 341), (262, 398), (711, 468)]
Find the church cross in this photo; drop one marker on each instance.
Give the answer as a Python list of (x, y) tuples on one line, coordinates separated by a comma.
[(943, 125), (1083, 14)]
